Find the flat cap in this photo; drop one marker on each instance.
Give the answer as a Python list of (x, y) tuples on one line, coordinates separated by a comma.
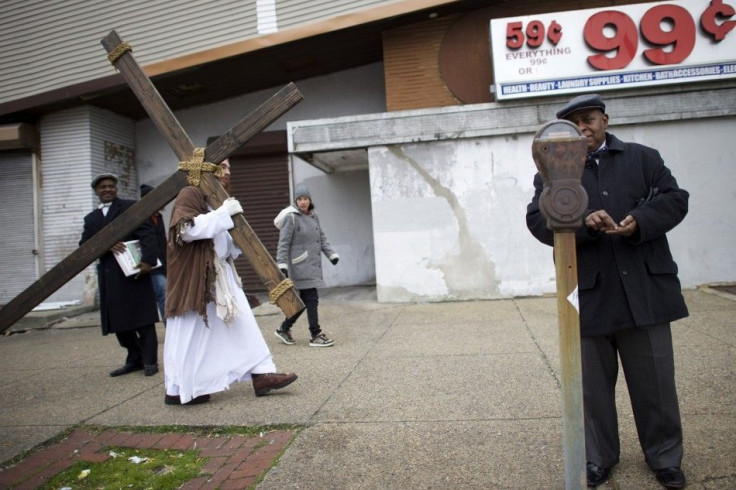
[(97, 179), (582, 103)]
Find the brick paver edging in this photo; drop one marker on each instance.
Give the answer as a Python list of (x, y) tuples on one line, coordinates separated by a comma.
[(236, 461)]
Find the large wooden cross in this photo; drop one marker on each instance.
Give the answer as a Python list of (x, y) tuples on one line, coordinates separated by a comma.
[(243, 235)]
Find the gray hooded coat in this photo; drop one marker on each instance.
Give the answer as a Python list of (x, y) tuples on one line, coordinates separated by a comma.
[(301, 242)]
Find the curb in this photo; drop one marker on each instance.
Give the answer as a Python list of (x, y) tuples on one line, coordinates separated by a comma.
[(41, 320)]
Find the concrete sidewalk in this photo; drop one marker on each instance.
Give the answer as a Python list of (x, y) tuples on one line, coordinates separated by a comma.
[(442, 395)]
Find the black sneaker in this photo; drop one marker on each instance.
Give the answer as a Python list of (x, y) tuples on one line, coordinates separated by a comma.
[(285, 337)]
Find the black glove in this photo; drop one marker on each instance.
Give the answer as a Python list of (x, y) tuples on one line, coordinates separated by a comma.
[(334, 261), (285, 272)]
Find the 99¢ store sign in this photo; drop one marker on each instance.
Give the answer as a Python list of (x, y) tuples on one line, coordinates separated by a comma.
[(613, 48)]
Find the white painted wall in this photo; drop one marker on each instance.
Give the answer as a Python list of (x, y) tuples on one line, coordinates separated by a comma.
[(449, 217), (449, 224)]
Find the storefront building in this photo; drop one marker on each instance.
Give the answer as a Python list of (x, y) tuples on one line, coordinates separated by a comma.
[(414, 135)]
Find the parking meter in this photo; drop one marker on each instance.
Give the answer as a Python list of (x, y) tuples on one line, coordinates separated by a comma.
[(559, 152)]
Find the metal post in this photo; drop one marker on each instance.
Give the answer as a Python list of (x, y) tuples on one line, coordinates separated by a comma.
[(573, 437)]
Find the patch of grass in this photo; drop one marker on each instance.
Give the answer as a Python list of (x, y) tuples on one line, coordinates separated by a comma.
[(164, 469)]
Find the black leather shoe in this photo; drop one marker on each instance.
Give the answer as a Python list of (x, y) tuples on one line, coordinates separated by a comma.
[(670, 477), (595, 474), (150, 370), (175, 400), (126, 369)]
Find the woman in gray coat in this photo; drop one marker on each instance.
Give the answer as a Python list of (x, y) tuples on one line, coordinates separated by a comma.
[(301, 243)]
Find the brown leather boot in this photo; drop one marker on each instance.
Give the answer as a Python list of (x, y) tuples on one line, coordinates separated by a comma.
[(263, 383)]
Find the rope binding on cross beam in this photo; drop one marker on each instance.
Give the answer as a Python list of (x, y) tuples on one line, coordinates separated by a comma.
[(119, 50), (279, 290), (196, 165)]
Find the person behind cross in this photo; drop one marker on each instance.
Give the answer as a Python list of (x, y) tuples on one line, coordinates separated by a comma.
[(212, 338), (158, 274), (299, 256), (628, 293), (127, 303)]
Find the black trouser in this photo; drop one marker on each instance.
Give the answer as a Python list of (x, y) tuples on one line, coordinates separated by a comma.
[(311, 300), (142, 345), (648, 363)]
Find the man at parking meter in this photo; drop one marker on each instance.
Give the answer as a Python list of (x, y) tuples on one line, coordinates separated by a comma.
[(628, 293)]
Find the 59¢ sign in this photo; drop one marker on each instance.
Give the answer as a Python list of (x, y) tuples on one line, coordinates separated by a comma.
[(614, 48)]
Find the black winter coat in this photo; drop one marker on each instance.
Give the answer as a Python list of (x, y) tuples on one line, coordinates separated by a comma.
[(157, 221), (625, 281), (125, 303)]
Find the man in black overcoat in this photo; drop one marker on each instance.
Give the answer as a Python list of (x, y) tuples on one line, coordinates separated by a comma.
[(127, 303), (628, 293)]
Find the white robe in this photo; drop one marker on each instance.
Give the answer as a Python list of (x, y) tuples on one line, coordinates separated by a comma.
[(200, 360)]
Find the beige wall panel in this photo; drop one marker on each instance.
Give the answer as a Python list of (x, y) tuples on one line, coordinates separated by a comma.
[(48, 44), (51, 44), (293, 12)]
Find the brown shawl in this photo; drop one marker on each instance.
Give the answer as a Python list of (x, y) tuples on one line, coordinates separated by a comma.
[(190, 266)]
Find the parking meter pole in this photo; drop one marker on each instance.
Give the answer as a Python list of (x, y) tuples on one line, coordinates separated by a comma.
[(573, 436)]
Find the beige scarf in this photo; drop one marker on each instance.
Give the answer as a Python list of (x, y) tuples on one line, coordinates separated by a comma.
[(225, 305)]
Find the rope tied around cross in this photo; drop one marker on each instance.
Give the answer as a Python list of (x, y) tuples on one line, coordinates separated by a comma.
[(280, 289), (119, 50), (196, 165)]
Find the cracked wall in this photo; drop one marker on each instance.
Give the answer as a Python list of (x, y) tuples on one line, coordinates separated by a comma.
[(448, 224)]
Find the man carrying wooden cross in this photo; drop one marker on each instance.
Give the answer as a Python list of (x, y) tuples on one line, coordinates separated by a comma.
[(212, 338)]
